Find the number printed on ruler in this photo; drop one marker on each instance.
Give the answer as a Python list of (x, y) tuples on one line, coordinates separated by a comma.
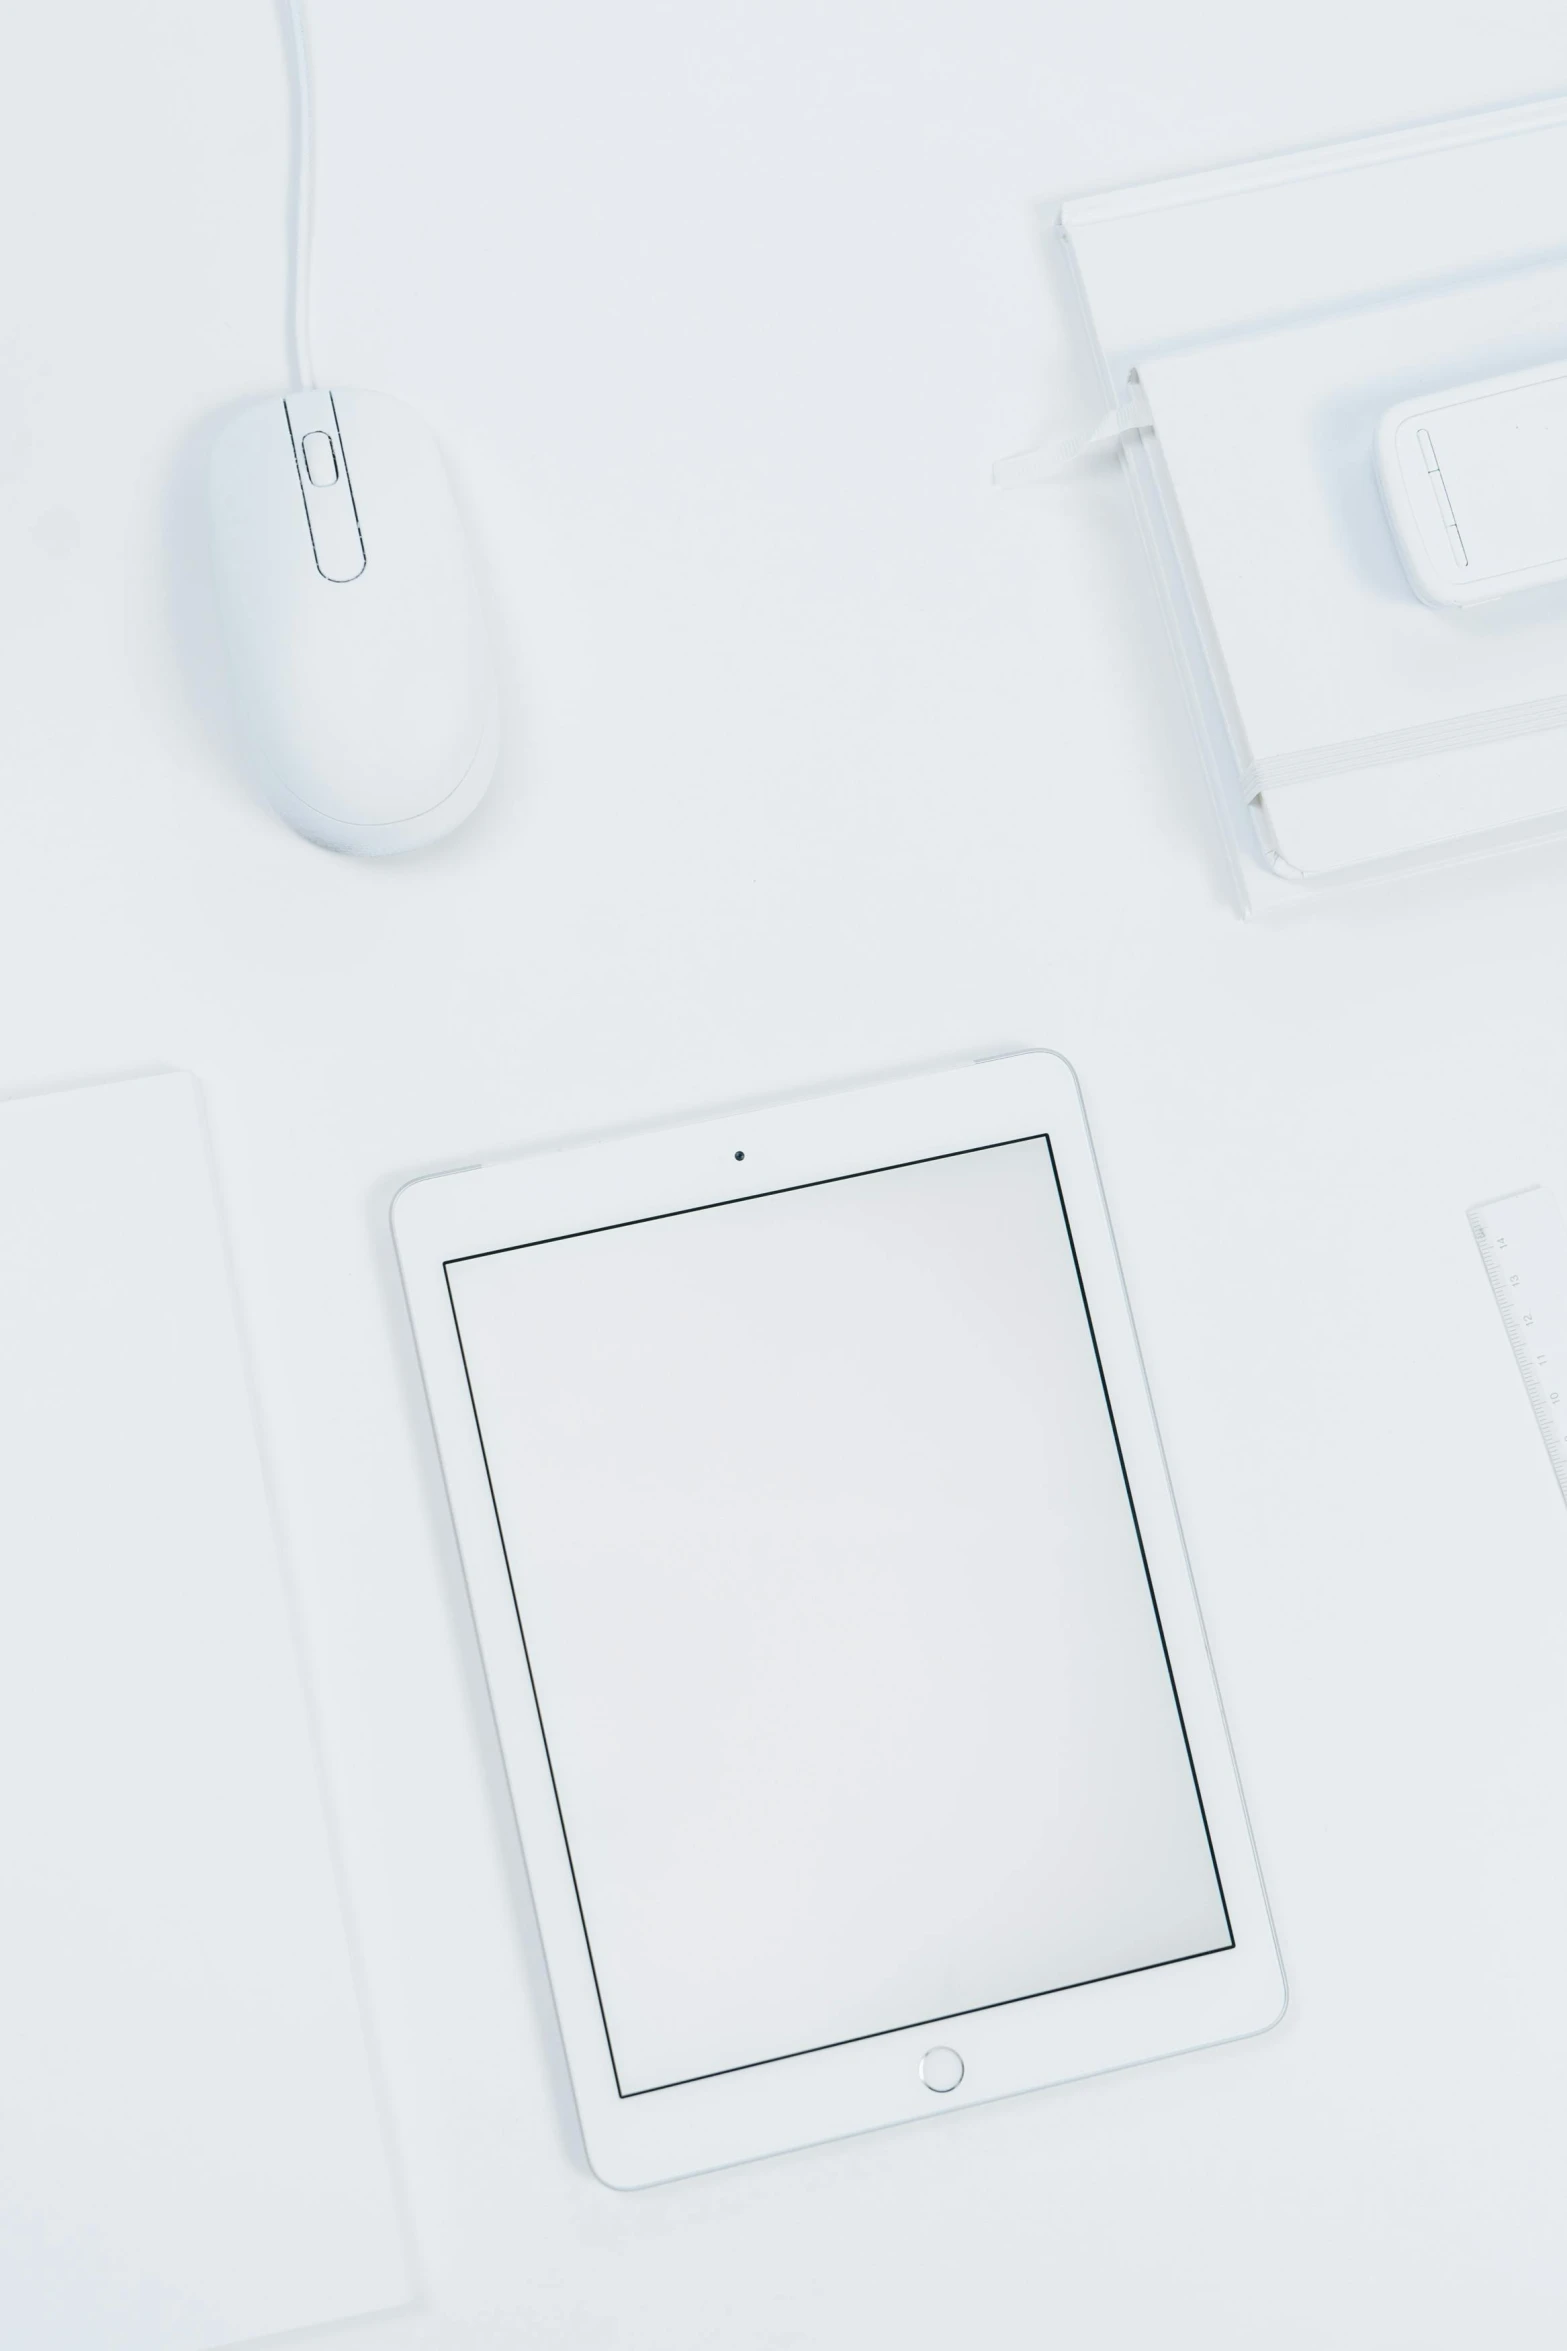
[(1523, 1241)]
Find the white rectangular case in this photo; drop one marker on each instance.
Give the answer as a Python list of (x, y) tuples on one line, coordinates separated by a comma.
[(1499, 449), (637, 2128)]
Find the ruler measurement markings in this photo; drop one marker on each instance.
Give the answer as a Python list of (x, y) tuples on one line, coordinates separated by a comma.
[(1523, 1244)]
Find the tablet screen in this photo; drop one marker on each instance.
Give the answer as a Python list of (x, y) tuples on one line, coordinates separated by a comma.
[(834, 1604)]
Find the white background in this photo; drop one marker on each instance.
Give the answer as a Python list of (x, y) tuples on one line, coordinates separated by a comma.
[(822, 759)]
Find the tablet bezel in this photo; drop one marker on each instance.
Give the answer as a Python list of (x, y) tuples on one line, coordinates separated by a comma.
[(1056, 2036)]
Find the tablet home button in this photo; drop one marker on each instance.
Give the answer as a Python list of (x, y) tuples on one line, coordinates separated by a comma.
[(941, 2069)]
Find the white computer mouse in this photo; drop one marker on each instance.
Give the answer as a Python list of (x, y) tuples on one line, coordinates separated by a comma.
[(360, 658)]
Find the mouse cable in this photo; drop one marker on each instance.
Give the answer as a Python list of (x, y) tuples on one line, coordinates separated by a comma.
[(301, 357)]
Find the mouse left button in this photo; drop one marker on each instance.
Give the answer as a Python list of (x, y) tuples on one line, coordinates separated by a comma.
[(325, 485)]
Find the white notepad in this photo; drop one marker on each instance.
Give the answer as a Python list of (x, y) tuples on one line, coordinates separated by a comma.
[(1272, 312), (190, 2146), (1331, 664), (1330, 671)]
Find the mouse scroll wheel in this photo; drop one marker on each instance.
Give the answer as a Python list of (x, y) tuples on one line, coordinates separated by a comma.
[(320, 459)]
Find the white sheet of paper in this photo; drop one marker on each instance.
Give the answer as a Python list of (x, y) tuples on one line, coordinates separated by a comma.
[(190, 2147)]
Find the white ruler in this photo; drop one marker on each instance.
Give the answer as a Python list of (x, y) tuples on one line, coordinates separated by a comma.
[(1523, 1240)]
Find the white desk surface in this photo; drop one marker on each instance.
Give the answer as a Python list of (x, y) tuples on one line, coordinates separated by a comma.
[(822, 759)]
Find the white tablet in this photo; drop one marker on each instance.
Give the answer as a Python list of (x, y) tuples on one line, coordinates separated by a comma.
[(852, 1690)]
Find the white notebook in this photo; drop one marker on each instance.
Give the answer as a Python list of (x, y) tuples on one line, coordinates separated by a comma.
[(1328, 666), (191, 2151), (1271, 313)]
